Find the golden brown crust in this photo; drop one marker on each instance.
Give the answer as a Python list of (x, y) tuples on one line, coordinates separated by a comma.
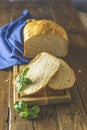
[(44, 27)]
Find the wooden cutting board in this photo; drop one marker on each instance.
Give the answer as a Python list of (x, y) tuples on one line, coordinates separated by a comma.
[(43, 97)]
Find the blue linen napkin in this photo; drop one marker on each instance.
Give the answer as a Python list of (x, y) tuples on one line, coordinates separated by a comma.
[(11, 42)]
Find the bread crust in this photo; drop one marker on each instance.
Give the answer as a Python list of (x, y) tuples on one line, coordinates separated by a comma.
[(64, 78), (46, 28)]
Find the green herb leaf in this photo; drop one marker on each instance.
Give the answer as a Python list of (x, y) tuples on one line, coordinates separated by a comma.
[(20, 87), (27, 81), (19, 78), (35, 109), (33, 112), (25, 112), (22, 81), (25, 71), (21, 106), (16, 107)]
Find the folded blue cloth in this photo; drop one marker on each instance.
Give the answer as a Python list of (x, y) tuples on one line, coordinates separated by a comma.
[(11, 42)]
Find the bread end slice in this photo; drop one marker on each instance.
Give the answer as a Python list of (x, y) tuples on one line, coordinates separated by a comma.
[(64, 78)]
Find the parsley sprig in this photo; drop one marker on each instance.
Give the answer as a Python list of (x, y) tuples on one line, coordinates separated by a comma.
[(22, 81), (26, 112)]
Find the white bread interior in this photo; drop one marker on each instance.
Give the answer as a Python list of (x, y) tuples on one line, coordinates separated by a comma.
[(51, 44), (41, 69)]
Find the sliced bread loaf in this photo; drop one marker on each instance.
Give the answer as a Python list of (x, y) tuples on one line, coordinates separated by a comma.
[(44, 35), (41, 70), (64, 78)]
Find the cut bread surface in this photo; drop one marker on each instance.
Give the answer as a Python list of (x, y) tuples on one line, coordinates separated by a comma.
[(64, 78), (51, 44), (44, 35), (41, 69)]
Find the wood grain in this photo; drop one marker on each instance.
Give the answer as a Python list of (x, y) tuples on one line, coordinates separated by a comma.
[(71, 116), (74, 29), (4, 75)]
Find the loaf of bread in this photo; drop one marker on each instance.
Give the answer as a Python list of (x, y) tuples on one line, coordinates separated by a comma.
[(64, 78), (41, 69), (44, 35)]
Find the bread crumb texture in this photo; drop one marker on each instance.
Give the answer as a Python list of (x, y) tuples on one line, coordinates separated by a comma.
[(41, 69), (64, 79)]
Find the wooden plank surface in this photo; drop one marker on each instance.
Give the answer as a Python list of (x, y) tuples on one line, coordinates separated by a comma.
[(4, 75), (52, 117), (77, 60), (78, 48)]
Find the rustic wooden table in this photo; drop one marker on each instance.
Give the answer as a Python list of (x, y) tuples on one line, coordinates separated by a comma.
[(71, 116)]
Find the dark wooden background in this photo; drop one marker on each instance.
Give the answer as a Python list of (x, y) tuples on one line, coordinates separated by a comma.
[(71, 116)]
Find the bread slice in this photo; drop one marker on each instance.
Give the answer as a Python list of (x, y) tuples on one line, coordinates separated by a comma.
[(44, 35), (41, 69), (64, 78)]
